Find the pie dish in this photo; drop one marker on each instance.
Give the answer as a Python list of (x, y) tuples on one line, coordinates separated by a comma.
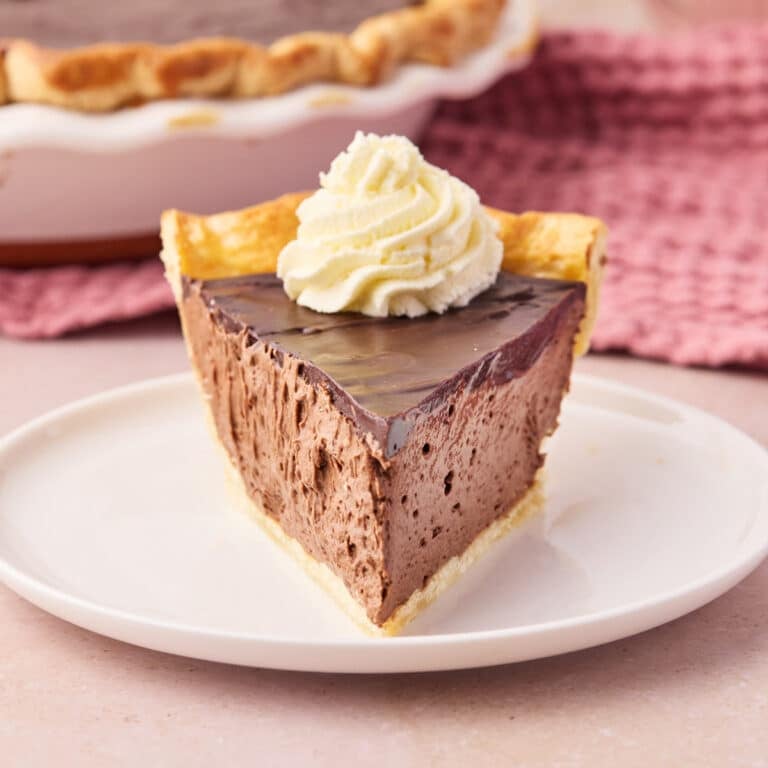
[(385, 453), (83, 186), (65, 54)]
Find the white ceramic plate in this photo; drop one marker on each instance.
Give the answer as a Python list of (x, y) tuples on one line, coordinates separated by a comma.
[(114, 515)]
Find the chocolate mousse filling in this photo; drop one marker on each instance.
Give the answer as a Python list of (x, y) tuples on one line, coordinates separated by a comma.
[(383, 446)]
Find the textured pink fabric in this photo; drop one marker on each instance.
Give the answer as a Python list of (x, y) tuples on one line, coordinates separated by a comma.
[(664, 138), (39, 303)]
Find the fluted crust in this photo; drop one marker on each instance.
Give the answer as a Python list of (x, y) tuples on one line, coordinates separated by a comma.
[(105, 77)]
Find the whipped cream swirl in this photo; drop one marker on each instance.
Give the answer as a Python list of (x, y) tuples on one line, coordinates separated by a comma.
[(389, 234)]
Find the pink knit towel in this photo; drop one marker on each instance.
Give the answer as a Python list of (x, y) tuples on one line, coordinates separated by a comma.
[(666, 139)]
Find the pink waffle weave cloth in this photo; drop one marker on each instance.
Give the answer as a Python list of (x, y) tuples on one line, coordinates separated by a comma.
[(666, 139)]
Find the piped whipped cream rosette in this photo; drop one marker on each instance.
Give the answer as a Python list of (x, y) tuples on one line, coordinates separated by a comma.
[(388, 233)]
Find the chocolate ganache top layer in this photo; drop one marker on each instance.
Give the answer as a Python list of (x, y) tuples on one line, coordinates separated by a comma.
[(68, 23), (384, 371)]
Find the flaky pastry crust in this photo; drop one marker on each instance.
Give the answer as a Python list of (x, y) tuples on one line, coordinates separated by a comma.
[(104, 77), (562, 246)]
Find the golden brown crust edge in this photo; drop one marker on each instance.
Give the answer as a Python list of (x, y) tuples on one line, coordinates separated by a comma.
[(564, 246), (3, 82), (559, 246), (108, 76)]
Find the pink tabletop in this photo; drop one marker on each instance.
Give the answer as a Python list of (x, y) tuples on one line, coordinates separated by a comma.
[(690, 693)]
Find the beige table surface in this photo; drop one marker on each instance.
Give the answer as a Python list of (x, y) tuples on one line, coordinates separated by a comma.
[(691, 693), (694, 692)]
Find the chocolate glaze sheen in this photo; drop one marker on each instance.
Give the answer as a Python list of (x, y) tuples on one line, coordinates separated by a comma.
[(386, 372)]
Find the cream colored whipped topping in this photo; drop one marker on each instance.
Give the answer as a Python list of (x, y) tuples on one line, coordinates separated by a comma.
[(389, 234)]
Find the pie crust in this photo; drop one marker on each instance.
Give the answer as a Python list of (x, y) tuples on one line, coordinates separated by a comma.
[(104, 77), (564, 246)]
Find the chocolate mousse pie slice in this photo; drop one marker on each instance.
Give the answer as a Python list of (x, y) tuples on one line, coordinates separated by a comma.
[(382, 399)]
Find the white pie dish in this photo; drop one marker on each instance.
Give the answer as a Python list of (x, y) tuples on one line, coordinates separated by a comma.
[(68, 176)]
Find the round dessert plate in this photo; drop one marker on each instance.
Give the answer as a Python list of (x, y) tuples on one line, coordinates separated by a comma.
[(114, 515)]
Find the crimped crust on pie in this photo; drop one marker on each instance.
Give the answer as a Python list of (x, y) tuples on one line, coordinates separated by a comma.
[(565, 246), (3, 79), (103, 77)]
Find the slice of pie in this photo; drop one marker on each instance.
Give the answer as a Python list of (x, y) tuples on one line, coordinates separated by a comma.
[(96, 56), (386, 452)]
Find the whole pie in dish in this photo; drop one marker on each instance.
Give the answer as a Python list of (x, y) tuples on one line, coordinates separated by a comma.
[(382, 400), (95, 56)]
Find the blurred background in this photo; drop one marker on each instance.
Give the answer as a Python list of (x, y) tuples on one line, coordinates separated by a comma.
[(660, 16), (650, 114)]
